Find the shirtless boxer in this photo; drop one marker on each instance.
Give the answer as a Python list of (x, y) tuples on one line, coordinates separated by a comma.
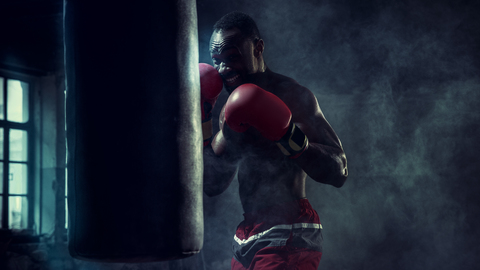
[(272, 135)]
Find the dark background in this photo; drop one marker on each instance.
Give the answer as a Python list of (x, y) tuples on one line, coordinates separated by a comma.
[(399, 81)]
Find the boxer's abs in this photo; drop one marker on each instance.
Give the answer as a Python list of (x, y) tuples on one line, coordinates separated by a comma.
[(263, 184)]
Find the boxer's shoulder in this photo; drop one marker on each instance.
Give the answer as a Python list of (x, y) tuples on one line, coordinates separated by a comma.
[(282, 85), (291, 92), (281, 81)]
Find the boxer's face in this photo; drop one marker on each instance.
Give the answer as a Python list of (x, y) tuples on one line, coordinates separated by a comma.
[(233, 57)]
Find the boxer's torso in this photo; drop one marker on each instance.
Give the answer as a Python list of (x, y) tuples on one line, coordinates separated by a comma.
[(266, 177)]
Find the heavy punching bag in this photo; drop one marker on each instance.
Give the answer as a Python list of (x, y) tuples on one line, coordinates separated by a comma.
[(134, 137)]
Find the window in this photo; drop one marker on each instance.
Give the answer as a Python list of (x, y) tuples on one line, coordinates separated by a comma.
[(15, 154)]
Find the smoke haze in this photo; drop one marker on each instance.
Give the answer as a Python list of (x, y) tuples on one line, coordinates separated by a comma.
[(399, 82)]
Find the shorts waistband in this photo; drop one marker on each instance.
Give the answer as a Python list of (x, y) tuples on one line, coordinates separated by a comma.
[(292, 208)]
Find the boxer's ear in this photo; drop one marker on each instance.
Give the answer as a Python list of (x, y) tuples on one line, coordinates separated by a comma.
[(259, 47)]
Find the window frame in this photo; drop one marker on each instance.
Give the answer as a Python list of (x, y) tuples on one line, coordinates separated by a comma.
[(29, 127)]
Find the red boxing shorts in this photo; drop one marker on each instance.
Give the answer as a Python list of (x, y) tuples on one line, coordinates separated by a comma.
[(287, 236)]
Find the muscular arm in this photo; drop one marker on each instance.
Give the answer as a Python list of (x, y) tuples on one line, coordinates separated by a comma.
[(324, 160), (218, 173), (220, 165)]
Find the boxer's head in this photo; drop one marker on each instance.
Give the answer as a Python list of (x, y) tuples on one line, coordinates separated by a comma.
[(236, 49)]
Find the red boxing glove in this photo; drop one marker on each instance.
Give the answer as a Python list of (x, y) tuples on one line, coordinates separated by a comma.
[(250, 105), (211, 85)]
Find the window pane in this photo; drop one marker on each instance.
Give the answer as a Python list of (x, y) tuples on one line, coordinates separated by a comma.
[(1, 143), (17, 176), (1, 180), (66, 182), (18, 145), (66, 198), (17, 101), (18, 210), (2, 116), (66, 213)]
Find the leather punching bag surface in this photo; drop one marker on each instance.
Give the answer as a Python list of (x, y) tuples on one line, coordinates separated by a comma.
[(135, 168)]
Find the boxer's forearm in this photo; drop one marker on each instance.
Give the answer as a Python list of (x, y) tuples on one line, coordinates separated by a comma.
[(218, 172), (324, 164)]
